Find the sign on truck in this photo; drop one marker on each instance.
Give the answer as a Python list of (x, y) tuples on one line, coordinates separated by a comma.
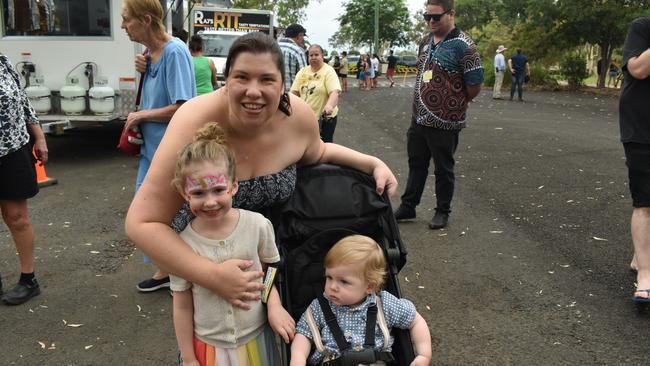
[(219, 28), (233, 20)]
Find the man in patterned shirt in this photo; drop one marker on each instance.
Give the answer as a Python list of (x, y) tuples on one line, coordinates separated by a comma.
[(293, 52), (449, 77)]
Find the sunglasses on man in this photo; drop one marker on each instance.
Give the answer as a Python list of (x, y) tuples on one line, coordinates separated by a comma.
[(435, 17)]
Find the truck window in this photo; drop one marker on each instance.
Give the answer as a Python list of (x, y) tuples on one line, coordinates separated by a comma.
[(56, 18), (217, 45)]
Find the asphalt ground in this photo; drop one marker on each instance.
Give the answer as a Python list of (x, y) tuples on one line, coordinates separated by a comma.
[(533, 268)]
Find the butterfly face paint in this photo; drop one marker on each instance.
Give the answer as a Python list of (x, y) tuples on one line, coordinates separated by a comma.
[(208, 182), (209, 191)]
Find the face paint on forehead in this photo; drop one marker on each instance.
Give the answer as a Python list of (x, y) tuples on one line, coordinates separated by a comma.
[(206, 182)]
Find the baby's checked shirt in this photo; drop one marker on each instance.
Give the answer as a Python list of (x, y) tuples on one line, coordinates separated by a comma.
[(399, 313)]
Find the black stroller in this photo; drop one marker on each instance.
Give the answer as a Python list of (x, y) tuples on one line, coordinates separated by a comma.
[(329, 203)]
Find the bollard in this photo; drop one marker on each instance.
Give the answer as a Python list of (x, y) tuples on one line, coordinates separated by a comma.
[(41, 177)]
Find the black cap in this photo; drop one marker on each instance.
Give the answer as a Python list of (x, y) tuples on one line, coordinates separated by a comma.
[(294, 30)]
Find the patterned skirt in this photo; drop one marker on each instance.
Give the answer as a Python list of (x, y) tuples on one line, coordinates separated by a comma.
[(259, 351)]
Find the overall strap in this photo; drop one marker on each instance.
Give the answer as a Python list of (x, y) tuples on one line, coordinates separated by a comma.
[(315, 332), (383, 326), (371, 321), (333, 324)]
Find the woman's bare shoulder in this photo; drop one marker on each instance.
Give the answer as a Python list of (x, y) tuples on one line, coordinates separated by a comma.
[(210, 107), (304, 127), (302, 116)]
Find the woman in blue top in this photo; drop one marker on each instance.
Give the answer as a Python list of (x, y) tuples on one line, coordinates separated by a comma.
[(168, 83)]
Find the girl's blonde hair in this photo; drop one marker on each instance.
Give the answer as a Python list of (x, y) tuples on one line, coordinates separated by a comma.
[(362, 251), (209, 144), (140, 8)]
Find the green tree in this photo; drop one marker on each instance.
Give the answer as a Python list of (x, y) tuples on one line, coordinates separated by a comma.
[(419, 29), (357, 24), (490, 36), (507, 22), (286, 11), (573, 23), (573, 67), (476, 13), (549, 29)]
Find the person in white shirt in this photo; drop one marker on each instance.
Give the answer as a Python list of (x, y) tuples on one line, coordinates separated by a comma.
[(343, 71), (375, 65), (499, 71)]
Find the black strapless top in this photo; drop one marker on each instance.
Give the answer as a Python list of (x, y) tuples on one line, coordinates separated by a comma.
[(255, 194)]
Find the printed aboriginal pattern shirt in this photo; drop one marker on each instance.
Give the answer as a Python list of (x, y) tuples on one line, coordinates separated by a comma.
[(440, 101)]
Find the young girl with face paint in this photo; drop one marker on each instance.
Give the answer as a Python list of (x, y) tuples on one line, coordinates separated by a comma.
[(209, 329)]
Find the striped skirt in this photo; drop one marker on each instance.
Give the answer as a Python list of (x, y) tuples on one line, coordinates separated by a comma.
[(259, 351)]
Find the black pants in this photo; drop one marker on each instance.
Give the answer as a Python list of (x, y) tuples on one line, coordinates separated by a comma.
[(517, 84), (637, 159), (327, 127), (424, 143)]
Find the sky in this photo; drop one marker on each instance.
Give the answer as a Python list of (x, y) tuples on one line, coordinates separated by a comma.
[(321, 21)]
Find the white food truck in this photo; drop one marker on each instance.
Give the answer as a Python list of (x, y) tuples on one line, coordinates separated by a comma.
[(76, 62)]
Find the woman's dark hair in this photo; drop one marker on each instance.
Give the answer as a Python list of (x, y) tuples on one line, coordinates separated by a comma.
[(196, 43), (258, 43)]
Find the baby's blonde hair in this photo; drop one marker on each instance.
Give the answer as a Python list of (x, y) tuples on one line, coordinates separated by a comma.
[(209, 144), (362, 251)]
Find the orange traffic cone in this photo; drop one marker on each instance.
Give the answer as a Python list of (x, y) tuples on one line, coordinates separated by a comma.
[(41, 177)]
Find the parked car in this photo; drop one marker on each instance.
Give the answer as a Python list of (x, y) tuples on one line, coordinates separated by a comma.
[(407, 60), (352, 60)]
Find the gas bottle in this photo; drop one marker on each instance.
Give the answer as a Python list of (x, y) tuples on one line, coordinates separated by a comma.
[(102, 97), (73, 97), (39, 95)]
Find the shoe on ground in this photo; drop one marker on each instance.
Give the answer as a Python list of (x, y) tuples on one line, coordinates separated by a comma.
[(439, 220), (21, 293), (645, 298), (404, 213), (153, 284), (392, 83)]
